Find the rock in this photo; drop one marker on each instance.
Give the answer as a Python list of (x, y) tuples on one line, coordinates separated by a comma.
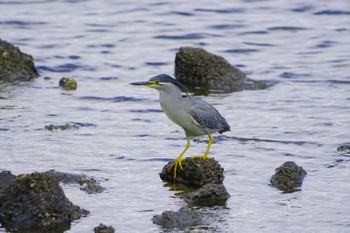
[(36, 201), (196, 172), (6, 178), (288, 177), (67, 126), (208, 195), (15, 65), (200, 184), (204, 72), (89, 185), (344, 148), (102, 228), (182, 219), (68, 84)]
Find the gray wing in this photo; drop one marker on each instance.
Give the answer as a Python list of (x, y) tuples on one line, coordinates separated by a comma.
[(208, 117)]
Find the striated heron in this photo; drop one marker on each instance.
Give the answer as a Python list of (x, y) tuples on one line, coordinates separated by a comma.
[(195, 116)]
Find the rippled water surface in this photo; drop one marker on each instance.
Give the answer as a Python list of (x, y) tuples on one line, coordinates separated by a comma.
[(124, 139)]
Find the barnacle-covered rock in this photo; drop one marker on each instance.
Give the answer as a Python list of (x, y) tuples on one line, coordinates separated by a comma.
[(207, 195), (203, 72), (344, 148), (288, 177), (196, 172), (102, 228), (15, 65), (68, 83), (36, 201), (182, 219)]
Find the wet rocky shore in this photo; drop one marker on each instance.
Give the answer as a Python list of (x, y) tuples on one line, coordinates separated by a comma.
[(36, 201)]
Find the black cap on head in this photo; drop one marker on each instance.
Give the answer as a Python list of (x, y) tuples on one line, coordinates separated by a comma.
[(168, 79)]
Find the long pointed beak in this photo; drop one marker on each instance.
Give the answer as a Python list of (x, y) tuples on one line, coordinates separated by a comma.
[(143, 83)]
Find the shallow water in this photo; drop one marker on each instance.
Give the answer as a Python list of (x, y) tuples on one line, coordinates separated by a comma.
[(124, 139)]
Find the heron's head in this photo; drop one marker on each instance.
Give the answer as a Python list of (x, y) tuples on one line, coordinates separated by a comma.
[(161, 82)]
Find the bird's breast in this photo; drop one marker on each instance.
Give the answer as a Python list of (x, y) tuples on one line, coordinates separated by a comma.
[(178, 110)]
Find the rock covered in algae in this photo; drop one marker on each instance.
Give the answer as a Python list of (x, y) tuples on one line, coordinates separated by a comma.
[(199, 69), (344, 148), (15, 65), (88, 184), (207, 195), (67, 126), (204, 179), (182, 219), (6, 178), (196, 172), (68, 84), (36, 201), (288, 177), (102, 228)]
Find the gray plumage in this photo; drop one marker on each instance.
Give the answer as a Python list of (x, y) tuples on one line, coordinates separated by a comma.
[(208, 117)]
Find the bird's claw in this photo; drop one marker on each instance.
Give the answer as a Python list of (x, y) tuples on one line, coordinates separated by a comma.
[(176, 163)]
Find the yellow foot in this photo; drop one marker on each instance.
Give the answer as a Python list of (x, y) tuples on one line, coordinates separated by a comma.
[(200, 157), (176, 163)]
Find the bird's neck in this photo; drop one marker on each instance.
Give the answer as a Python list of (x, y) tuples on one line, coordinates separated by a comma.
[(172, 92), (170, 99)]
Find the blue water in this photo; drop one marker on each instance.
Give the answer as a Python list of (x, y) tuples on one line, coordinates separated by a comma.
[(124, 139)]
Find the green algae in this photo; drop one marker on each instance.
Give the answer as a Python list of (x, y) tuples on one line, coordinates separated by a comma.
[(36, 201), (203, 73), (68, 84), (15, 65)]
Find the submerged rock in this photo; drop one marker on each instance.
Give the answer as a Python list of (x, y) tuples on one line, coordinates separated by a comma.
[(68, 84), (208, 195), (89, 184), (344, 148), (288, 177), (15, 65), (205, 72), (182, 219), (102, 228), (67, 126), (36, 201), (196, 172)]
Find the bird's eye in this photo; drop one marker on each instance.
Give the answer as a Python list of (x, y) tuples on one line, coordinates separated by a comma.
[(156, 82)]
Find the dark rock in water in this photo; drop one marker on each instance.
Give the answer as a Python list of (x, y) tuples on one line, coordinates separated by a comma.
[(288, 177), (6, 178), (196, 172), (182, 219), (36, 201), (102, 228), (67, 126), (208, 195), (205, 72), (68, 84), (344, 148), (89, 185), (15, 65), (200, 184)]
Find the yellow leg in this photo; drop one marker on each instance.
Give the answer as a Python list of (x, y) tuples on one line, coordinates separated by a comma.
[(178, 160), (206, 154)]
